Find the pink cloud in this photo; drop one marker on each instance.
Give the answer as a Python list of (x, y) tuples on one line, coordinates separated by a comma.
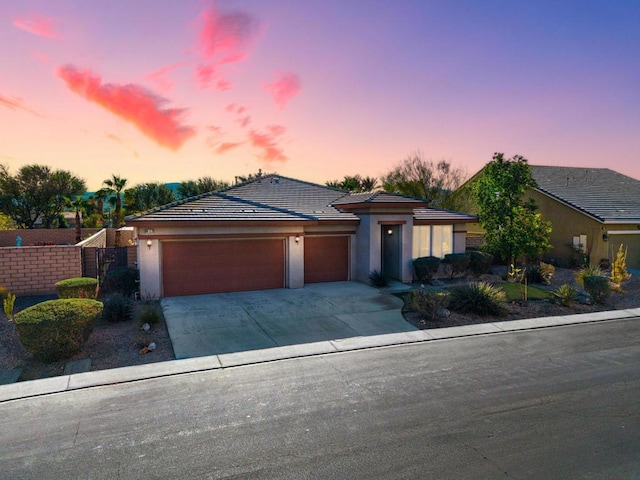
[(223, 37), (17, 103), (132, 103), (43, 27), (266, 142), (286, 86), (226, 146), (226, 33), (160, 79)]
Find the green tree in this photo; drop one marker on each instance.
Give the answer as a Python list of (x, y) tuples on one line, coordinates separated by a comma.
[(79, 206), (513, 228), (422, 178), (6, 222), (114, 186), (146, 196), (98, 198), (191, 188), (354, 183), (37, 193)]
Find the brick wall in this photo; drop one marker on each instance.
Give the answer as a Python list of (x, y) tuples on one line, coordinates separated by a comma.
[(31, 236), (35, 270)]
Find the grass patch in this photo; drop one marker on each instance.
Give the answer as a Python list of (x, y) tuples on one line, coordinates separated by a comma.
[(514, 292)]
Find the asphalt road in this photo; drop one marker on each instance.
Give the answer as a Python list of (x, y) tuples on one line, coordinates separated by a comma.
[(556, 403)]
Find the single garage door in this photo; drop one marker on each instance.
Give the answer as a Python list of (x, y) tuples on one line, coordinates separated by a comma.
[(197, 267), (326, 259)]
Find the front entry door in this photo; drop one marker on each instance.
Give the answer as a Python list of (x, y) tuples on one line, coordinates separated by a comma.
[(391, 243)]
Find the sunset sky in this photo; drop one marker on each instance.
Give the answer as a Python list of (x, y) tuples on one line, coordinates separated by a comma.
[(171, 90)]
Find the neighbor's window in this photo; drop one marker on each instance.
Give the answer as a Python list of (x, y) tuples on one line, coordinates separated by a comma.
[(580, 243), (436, 240)]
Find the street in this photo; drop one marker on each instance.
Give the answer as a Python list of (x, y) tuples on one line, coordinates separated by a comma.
[(553, 403)]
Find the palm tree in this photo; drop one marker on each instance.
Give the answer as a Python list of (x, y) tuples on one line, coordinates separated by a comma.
[(79, 205), (99, 198), (115, 185)]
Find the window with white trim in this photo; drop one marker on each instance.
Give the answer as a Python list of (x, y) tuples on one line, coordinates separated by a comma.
[(432, 240)]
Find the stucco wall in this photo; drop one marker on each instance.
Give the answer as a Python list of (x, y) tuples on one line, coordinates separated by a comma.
[(35, 270)]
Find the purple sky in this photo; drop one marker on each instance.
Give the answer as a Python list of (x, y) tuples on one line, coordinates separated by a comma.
[(317, 89)]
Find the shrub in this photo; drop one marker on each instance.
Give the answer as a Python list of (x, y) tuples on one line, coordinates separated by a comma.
[(477, 297), (480, 262), (427, 303), (457, 263), (79, 287), (619, 270), (7, 305), (117, 308), (566, 294), (588, 271), (597, 287), (541, 273), (377, 279), (121, 280), (150, 313), (57, 329), (425, 268)]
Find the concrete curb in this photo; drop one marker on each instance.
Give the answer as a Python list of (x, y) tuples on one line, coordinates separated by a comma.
[(65, 383)]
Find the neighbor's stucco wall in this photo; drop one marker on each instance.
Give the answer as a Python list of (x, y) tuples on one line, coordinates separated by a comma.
[(566, 223)]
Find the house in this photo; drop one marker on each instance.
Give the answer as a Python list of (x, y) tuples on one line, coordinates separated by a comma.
[(592, 212), (275, 232)]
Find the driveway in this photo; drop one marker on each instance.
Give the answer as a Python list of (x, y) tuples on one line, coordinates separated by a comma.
[(202, 325)]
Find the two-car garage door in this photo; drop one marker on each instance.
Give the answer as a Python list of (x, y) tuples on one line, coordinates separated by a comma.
[(233, 265), (197, 267)]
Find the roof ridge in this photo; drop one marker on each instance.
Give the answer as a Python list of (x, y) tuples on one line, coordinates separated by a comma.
[(170, 205)]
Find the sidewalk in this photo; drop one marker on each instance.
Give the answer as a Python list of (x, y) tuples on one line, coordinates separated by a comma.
[(77, 381)]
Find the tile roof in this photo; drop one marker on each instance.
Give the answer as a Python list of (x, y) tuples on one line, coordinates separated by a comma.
[(377, 197), (277, 198), (270, 198), (599, 192), (440, 215)]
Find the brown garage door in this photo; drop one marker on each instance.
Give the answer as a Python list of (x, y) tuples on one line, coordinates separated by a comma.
[(192, 268), (326, 259)]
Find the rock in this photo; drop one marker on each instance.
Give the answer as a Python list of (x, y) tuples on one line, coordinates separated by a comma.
[(151, 347), (444, 313), (146, 327), (585, 299)]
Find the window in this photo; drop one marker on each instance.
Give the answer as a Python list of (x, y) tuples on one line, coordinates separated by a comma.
[(436, 240), (580, 243)]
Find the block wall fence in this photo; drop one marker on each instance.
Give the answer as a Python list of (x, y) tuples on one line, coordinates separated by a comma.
[(35, 270)]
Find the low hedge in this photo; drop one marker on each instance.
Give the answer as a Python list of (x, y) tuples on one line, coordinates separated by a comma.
[(57, 329), (78, 287), (480, 262), (457, 263), (121, 280)]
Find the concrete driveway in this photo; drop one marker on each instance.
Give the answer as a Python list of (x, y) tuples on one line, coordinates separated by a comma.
[(202, 325)]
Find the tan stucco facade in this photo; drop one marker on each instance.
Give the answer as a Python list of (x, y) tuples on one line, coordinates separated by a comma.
[(602, 239)]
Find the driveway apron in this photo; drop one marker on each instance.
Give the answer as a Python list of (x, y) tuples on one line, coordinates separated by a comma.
[(201, 325)]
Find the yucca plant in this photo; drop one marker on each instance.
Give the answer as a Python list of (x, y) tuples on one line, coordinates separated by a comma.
[(588, 271), (566, 294), (477, 297)]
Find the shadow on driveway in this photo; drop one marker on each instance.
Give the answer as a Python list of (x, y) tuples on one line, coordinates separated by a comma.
[(214, 324)]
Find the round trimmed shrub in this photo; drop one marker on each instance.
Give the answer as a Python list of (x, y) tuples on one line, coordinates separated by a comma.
[(57, 329), (477, 297), (597, 287), (425, 268), (480, 262), (457, 263), (121, 280), (78, 287)]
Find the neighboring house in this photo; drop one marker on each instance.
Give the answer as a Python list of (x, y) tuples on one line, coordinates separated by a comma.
[(275, 232), (592, 211)]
